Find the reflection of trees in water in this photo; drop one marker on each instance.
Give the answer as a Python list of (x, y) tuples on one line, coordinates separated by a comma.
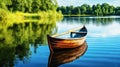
[(6, 58), (9, 53), (31, 32), (102, 21), (15, 40), (118, 20), (94, 20)]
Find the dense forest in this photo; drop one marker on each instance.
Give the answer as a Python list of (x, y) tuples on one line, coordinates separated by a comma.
[(22, 10), (30, 6), (85, 9)]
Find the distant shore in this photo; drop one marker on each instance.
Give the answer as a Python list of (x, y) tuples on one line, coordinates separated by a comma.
[(86, 15), (78, 15)]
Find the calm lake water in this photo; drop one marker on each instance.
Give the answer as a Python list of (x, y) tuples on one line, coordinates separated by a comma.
[(25, 44)]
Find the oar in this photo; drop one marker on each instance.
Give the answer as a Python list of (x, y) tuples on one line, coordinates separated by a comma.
[(73, 30)]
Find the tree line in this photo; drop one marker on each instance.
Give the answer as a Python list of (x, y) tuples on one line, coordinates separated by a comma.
[(85, 9), (31, 6)]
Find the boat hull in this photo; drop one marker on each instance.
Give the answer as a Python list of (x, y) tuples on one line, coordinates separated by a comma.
[(76, 39), (55, 43)]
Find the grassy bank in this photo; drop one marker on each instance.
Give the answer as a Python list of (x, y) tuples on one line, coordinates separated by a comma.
[(6, 16)]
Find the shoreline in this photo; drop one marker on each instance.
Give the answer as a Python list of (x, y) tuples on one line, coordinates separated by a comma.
[(87, 15)]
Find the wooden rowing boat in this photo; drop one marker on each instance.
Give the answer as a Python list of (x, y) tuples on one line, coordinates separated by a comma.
[(76, 39), (65, 56)]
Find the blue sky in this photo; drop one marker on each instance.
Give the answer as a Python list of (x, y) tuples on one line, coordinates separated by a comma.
[(90, 2)]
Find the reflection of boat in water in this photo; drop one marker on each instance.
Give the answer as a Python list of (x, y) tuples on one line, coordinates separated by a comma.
[(72, 42), (67, 55)]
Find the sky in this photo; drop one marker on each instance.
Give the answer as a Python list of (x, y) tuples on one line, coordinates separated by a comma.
[(90, 2)]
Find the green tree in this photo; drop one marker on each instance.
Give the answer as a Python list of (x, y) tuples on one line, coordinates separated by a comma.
[(111, 10), (62, 9), (83, 9), (3, 6), (89, 10), (48, 5), (36, 5), (76, 10), (28, 5), (98, 10), (117, 10), (105, 8)]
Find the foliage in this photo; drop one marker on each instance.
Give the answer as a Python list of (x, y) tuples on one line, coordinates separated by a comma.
[(3, 14), (117, 10), (98, 10), (6, 16), (31, 6)]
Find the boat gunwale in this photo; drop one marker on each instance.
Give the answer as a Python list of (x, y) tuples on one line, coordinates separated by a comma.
[(66, 38)]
